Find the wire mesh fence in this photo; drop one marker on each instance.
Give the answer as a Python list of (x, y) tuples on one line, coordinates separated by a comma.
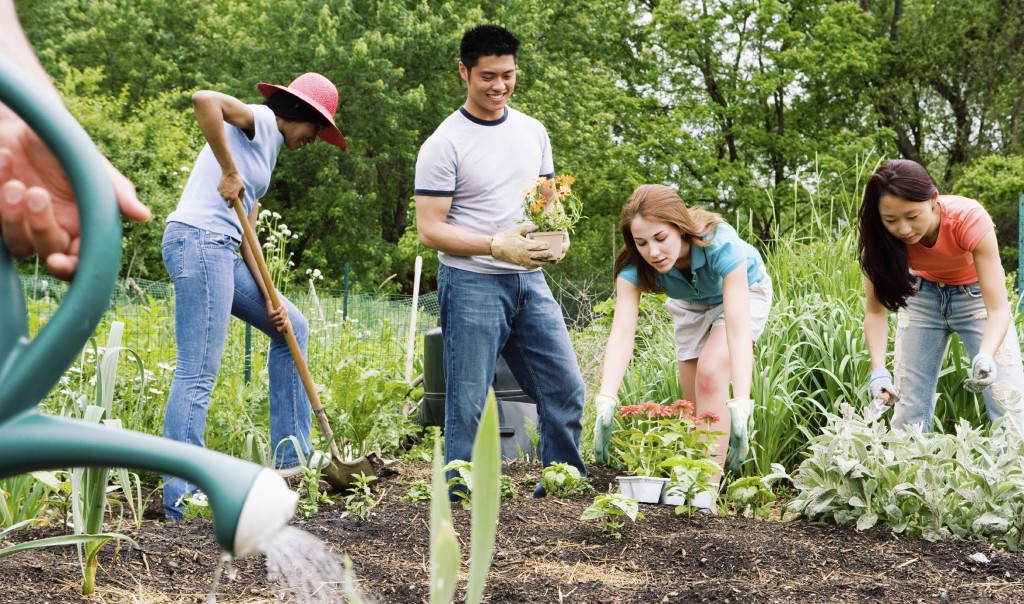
[(380, 323)]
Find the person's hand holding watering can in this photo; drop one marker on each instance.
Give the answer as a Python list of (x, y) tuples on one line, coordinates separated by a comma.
[(38, 209)]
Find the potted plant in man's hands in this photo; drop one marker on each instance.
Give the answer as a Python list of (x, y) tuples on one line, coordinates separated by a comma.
[(551, 204)]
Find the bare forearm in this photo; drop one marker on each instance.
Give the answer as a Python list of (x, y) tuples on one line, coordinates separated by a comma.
[(15, 47)]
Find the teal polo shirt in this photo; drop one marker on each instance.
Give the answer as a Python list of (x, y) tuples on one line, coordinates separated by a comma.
[(708, 265)]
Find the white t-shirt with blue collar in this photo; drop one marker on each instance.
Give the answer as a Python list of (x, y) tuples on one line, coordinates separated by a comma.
[(708, 267)]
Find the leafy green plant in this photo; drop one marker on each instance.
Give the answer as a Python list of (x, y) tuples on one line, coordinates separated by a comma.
[(196, 505), (562, 480), (750, 496), (367, 407), (360, 499), (690, 477), (418, 491), (649, 435), (507, 490), (611, 510), (463, 478), (936, 486)]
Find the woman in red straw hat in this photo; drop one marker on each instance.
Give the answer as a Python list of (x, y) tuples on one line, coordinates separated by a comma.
[(212, 282)]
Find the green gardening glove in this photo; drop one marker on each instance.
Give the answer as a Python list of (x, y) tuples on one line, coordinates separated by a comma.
[(741, 411), (605, 405)]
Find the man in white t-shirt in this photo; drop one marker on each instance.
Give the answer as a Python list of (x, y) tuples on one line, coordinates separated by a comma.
[(470, 175)]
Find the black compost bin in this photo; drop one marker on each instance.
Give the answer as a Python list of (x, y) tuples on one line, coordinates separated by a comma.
[(516, 410)]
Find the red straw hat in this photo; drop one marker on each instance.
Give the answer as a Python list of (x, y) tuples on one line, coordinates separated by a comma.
[(320, 94)]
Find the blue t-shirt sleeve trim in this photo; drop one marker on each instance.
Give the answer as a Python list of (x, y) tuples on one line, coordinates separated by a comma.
[(433, 193), (548, 175)]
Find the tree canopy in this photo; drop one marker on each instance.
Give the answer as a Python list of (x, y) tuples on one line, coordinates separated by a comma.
[(762, 109)]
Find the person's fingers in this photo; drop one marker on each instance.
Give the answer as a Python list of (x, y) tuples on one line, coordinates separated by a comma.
[(127, 198), (12, 218), (62, 266), (47, 236)]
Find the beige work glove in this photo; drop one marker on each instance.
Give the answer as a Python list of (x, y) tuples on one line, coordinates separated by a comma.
[(565, 243), (513, 246)]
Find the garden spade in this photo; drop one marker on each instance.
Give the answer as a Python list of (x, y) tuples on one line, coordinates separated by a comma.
[(337, 473), (880, 404)]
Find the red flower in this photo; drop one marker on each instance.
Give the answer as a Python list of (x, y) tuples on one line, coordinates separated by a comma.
[(681, 407), (629, 410), (709, 418)]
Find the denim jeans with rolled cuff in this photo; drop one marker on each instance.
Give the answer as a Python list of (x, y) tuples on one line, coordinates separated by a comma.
[(515, 315), (211, 283), (923, 328)]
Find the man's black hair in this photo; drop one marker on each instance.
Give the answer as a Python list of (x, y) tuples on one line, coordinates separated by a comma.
[(487, 41), (293, 109)]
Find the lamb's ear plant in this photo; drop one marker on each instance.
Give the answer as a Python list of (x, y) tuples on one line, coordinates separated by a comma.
[(936, 486), (444, 543)]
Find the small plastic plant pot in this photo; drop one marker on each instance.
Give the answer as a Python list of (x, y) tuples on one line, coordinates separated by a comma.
[(645, 489), (553, 238)]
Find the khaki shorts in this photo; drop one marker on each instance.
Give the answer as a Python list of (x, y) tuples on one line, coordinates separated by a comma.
[(694, 321)]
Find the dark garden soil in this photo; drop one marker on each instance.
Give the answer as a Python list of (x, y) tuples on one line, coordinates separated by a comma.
[(544, 553)]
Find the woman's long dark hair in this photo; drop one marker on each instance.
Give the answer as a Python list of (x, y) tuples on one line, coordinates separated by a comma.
[(883, 257), (293, 109), (659, 203)]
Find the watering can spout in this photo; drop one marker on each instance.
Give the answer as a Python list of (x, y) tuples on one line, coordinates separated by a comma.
[(265, 511), (250, 503)]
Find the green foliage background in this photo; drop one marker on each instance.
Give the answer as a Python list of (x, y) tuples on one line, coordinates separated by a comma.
[(752, 108)]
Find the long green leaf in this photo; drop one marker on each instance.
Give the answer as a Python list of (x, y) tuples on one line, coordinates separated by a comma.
[(486, 499), (65, 540), (444, 544)]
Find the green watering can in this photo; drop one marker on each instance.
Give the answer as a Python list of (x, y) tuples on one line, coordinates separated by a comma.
[(250, 503)]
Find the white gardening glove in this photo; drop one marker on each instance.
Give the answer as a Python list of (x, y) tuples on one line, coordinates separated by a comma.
[(513, 246), (605, 405), (565, 243), (880, 381), (741, 411), (983, 373)]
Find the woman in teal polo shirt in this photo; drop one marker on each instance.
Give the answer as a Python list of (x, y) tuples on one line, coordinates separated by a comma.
[(719, 297)]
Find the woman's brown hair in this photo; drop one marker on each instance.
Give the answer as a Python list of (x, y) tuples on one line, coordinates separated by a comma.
[(659, 203)]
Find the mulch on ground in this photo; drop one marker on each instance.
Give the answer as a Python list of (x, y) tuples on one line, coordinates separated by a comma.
[(544, 553)]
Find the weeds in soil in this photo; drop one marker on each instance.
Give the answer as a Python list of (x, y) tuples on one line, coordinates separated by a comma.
[(418, 491), (562, 480), (611, 510), (360, 499)]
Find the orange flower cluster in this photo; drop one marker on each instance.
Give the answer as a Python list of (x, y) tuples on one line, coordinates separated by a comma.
[(564, 210)]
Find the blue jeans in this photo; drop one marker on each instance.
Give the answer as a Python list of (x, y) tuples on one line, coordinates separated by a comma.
[(515, 315), (922, 332), (211, 283)]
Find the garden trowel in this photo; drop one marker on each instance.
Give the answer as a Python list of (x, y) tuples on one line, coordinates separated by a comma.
[(880, 404)]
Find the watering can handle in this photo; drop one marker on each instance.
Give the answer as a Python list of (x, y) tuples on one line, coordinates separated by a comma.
[(29, 368)]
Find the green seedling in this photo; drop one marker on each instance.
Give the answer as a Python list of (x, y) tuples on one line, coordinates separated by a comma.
[(562, 480), (611, 510), (418, 491), (360, 499)]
